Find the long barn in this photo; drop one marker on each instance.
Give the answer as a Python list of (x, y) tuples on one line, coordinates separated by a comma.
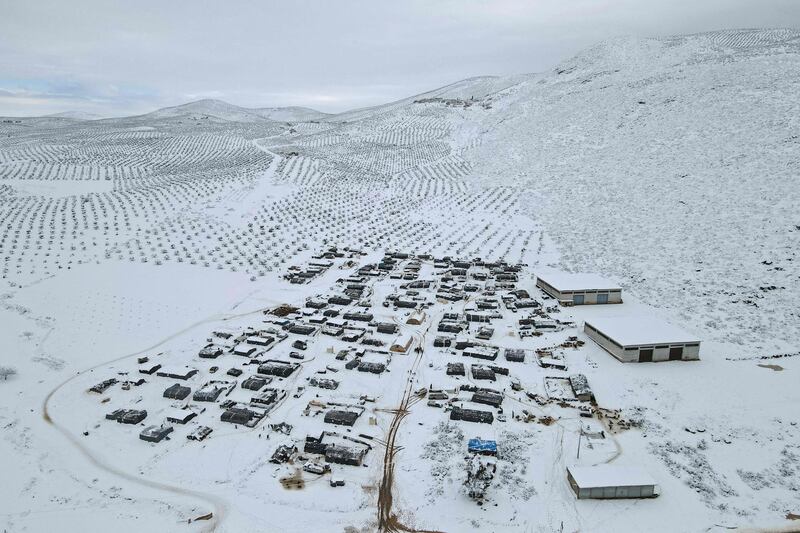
[(642, 339), (579, 289), (610, 482)]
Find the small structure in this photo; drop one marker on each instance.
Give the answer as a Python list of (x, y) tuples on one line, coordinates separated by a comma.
[(579, 289), (488, 353), (149, 368), (483, 372), (182, 373), (372, 367), (417, 318), (275, 367), (608, 481), (358, 317), (642, 339), (177, 392), (479, 317), (302, 329), (211, 391), (283, 454), (515, 355), (180, 416), (485, 333), (552, 362), (103, 385), (211, 351), (471, 415), (344, 455), (455, 369), (386, 327), (449, 326), (329, 384), (200, 433), (245, 350), (402, 344), (482, 447), (255, 383), (127, 416), (155, 433), (267, 399), (239, 415), (340, 300), (258, 340), (487, 397), (580, 386), (442, 342), (340, 417)]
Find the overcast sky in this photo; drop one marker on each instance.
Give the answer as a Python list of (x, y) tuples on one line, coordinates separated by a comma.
[(122, 57)]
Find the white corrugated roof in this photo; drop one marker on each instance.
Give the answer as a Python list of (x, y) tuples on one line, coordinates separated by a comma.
[(588, 477), (566, 281), (641, 330)]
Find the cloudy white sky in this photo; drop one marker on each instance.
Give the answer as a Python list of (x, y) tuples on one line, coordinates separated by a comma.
[(121, 57)]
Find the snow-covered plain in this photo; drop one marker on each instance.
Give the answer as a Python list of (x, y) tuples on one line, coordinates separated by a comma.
[(670, 165)]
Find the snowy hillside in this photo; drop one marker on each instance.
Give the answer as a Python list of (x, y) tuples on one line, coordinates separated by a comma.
[(673, 165), (300, 272), (290, 114)]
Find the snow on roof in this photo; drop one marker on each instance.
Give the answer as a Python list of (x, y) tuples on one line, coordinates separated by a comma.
[(566, 281), (641, 330), (587, 477), (178, 414)]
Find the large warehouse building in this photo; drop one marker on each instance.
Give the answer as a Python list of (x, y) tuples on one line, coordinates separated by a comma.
[(610, 481), (579, 289), (642, 339)]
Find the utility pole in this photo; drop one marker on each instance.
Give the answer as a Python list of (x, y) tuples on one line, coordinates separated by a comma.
[(580, 435)]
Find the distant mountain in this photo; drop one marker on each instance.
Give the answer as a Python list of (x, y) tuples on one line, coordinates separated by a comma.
[(290, 114), (225, 111), (208, 107), (477, 88), (76, 115)]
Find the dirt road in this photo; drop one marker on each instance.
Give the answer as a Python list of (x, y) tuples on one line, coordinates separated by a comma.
[(387, 519)]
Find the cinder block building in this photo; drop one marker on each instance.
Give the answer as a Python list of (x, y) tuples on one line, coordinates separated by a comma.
[(642, 339), (579, 289)]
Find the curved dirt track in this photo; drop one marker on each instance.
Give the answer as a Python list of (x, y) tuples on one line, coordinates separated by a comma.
[(218, 504)]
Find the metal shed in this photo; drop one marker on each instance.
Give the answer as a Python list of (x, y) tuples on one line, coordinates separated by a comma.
[(642, 339), (579, 289), (610, 482)]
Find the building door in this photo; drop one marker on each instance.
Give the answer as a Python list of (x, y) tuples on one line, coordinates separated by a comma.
[(676, 354), (602, 298), (577, 299), (646, 356)]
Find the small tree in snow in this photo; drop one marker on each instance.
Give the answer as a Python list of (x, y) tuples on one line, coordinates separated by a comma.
[(6, 371)]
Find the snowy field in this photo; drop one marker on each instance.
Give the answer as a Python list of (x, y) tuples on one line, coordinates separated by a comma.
[(670, 165)]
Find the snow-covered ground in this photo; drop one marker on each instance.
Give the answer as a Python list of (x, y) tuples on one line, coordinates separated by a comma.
[(670, 165)]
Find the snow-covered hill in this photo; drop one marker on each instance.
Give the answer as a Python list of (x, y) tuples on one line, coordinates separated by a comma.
[(673, 164), (77, 115), (208, 107)]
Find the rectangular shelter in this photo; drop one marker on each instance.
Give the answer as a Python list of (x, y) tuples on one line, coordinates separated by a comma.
[(642, 339), (610, 482), (579, 289)]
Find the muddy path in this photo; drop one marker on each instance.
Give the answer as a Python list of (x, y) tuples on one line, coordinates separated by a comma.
[(387, 518)]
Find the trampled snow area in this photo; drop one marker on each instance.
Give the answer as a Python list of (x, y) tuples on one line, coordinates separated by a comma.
[(668, 165)]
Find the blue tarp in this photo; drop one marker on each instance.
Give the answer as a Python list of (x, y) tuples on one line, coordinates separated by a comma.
[(482, 446)]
